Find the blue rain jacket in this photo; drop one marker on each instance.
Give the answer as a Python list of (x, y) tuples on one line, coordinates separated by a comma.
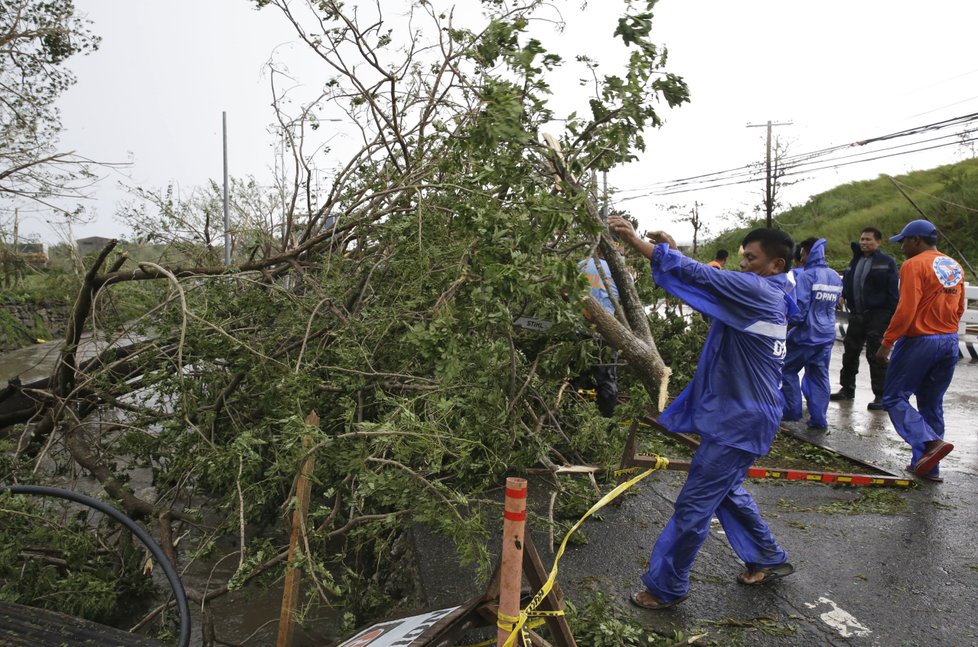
[(598, 289), (817, 291), (734, 398)]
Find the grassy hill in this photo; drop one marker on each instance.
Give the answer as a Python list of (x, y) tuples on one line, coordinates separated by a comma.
[(948, 195)]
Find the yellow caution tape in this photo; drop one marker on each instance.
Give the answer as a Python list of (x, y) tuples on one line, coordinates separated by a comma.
[(625, 470), (506, 622), (530, 625), (530, 610), (509, 623)]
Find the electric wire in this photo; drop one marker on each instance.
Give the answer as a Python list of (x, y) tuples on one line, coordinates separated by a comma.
[(798, 172), (879, 157), (923, 215), (796, 164), (946, 123), (935, 197)]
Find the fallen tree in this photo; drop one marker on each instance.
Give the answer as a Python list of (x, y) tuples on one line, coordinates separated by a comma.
[(387, 306)]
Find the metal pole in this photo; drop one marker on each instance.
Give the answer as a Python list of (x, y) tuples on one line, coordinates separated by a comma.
[(227, 224)]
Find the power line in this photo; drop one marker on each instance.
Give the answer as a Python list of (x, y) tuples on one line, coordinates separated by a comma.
[(741, 170), (937, 83), (936, 197), (879, 150), (956, 103), (958, 142), (800, 172), (946, 123), (727, 177)]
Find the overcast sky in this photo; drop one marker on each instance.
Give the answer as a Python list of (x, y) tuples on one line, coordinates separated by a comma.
[(838, 70)]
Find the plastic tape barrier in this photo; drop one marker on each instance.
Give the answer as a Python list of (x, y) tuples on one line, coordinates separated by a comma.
[(661, 463)]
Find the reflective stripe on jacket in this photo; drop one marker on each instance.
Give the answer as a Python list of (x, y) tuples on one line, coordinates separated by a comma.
[(734, 397)]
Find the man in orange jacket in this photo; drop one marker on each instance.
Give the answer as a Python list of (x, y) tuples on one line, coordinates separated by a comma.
[(720, 259), (923, 335)]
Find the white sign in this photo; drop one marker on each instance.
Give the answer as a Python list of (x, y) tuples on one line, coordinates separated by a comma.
[(532, 324), (397, 633)]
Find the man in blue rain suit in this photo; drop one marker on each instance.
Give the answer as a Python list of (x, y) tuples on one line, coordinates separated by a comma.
[(733, 403), (604, 377), (811, 334)]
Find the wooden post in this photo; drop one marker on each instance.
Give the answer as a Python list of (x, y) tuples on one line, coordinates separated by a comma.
[(511, 564), (303, 487)]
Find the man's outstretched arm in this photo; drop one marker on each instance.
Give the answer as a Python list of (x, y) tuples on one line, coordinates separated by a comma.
[(626, 232)]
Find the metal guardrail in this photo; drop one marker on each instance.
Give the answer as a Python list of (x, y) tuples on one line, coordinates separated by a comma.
[(967, 329), (969, 320)]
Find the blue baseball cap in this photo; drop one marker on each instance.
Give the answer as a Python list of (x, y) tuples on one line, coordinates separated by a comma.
[(922, 228)]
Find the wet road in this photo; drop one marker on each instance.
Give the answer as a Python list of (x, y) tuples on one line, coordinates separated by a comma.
[(29, 363), (907, 577)]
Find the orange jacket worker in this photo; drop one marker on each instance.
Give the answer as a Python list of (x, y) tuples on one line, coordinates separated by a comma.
[(923, 334)]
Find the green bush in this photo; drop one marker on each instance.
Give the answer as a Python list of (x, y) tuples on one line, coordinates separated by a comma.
[(58, 557)]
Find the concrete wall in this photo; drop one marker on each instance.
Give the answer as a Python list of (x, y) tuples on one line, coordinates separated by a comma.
[(22, 324)]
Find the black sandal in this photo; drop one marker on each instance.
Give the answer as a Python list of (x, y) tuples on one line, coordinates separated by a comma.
[(770, 573), (654, 606)]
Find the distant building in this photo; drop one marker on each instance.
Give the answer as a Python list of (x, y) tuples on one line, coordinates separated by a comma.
[(91, 245)]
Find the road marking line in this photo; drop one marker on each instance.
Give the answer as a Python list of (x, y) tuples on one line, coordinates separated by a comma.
[(840, 620)]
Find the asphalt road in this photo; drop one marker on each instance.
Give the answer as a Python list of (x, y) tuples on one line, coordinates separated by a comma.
[(903, 575), (904, 578)]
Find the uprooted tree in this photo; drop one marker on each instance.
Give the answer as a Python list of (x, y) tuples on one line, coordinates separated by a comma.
[(386, 305)]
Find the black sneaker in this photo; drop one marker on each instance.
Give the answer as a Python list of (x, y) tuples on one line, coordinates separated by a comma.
[(875, 405), (842, 394)]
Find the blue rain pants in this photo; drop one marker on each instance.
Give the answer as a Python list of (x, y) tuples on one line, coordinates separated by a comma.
[(921, 366), (712, 488), (815, 384)]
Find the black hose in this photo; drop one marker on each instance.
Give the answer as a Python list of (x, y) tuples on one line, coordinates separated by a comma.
[(171, 574)]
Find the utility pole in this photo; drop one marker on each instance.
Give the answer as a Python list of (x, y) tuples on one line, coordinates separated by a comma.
[(227, 226), (769, 183)]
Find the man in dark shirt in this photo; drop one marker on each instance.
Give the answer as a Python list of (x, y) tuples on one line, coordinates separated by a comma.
[(870, 290)]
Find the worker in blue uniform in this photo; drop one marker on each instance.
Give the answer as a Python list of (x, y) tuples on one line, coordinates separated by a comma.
[(811, 334), (603, 377), (733, 402)]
